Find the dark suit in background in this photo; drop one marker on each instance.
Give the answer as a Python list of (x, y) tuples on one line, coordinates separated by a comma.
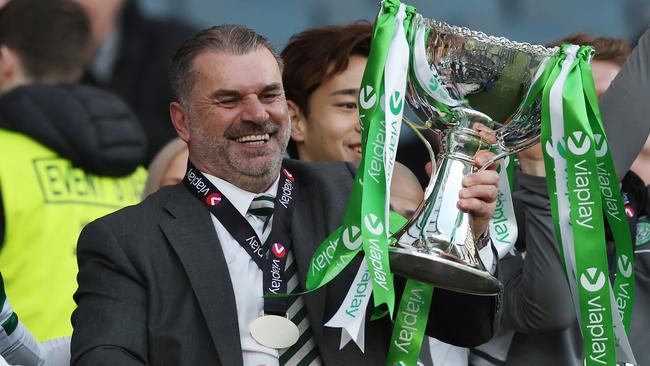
[(154, 287), (139, 74)]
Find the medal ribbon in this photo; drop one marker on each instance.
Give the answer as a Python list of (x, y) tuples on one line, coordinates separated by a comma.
[(272, 262)]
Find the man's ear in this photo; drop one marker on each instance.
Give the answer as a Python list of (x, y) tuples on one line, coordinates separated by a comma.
[(11, 73), (180, 120), (298, 122)]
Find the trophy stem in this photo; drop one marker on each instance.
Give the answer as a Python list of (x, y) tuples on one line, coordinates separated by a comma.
[(439, 247)]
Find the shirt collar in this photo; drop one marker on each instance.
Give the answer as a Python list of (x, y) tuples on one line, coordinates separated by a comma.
[(240, 198)]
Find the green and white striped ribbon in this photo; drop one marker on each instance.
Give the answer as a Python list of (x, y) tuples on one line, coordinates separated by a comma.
[(570, 160), (340, 247), (382, 124), (366, 222), (503, 226)]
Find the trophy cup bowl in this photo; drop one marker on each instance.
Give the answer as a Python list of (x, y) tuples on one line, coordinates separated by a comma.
[(460, 78)]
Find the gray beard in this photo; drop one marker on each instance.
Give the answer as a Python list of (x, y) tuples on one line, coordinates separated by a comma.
[(223, 163)]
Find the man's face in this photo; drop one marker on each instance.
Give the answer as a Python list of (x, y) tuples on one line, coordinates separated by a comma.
[(332, 131), (238, 123), (604, 72)]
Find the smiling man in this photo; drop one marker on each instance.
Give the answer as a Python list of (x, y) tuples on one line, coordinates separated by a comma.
[(179, 279)]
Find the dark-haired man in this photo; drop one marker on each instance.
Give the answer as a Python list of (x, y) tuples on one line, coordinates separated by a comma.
[(179, 278), (69, 153)]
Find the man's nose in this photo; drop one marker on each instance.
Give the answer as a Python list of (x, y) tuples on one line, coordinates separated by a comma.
[(254, 110)]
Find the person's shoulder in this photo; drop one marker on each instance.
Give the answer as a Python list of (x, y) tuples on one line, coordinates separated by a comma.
[(148, 212), (315, 172)]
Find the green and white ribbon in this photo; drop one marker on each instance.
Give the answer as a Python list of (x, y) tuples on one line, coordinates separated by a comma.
[(366, 222), (351, 315), (571, 160), (612, 204), (411, 321), (427, 77), (380, 148), (340, 247), (503, 226)]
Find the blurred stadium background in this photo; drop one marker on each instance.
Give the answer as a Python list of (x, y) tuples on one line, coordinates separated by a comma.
[(533, 21)]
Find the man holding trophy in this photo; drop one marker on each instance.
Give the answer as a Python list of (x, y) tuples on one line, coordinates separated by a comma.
[(226, 268), (174, 281)]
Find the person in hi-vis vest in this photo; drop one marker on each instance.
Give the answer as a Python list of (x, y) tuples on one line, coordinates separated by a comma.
[(70, 153)]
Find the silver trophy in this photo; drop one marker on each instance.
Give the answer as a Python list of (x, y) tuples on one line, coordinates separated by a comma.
[(463, 83)]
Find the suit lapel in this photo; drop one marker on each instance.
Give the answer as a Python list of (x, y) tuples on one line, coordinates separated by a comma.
[(308, 230), (192, 235)]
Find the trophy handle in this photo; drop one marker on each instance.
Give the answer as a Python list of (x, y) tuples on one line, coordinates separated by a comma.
[(506, 152), (429, 188)]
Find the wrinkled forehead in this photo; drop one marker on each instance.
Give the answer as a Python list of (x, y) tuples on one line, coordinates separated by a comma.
[(240, 72)]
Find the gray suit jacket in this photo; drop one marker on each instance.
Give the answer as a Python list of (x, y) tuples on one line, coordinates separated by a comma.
[(154, 287)]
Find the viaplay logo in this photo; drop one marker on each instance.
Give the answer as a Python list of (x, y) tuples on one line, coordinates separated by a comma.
[(213, 199), (278, 250), (367, 97), (561, 149), (288, 175), (396, 103), (593, 280), (352, 237), (373, 224), (601, 145), (625, 266), (434, 83), (578, 143)]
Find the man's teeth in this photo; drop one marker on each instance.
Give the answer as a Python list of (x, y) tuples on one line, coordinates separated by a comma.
[(254, 139)]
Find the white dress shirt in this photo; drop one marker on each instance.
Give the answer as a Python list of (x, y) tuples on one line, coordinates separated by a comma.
[(245, 275)]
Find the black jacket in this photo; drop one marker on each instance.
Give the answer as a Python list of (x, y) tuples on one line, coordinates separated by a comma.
[(140, 71), (92, 128)]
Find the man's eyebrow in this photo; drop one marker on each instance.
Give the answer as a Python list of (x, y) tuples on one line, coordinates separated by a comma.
[(220, 93), (271, 88), (224, 93), (351, 91)]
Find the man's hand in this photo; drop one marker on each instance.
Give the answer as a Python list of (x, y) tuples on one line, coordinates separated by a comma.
[(479, 194)]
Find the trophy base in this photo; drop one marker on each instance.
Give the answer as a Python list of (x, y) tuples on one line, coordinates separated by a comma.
[(448, 273)]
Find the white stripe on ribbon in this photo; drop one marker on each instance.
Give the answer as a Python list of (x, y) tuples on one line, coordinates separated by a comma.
[(351, 316), (395, 73), (623, 349), (352, 323), (503, 226), (561, 177)]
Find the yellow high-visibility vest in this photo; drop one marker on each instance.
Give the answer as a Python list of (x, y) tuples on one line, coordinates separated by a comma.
[(46, 202)]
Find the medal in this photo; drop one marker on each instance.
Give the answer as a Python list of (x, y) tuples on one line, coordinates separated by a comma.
[(274, 331)]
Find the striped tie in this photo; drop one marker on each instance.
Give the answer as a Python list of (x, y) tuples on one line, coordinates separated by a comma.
[(262, 207), (304, 352)]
